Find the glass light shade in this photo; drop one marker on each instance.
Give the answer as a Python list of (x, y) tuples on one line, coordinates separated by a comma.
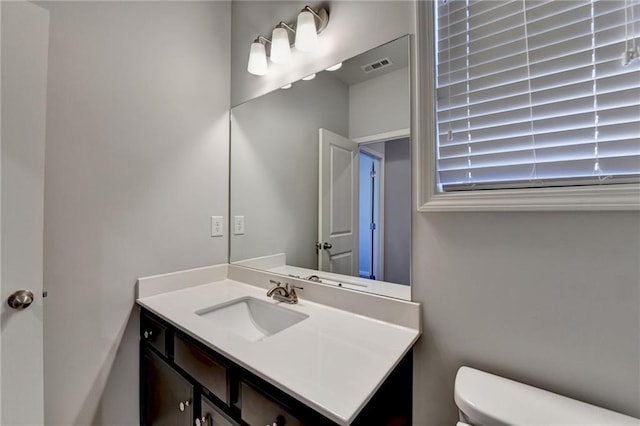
[(335, 67), (306, 33), (286, 86), (309, 77), (280, 50), (257, 59)]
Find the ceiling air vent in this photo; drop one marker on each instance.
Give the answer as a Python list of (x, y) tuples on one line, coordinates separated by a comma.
[(377, 65)]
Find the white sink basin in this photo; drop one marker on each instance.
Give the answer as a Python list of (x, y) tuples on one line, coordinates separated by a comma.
[(252, 318)]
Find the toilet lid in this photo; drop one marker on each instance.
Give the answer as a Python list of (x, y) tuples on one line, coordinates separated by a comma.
[(488, 399)]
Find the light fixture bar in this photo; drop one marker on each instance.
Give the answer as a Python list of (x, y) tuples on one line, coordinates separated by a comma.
[(262, 39), (286, 26)]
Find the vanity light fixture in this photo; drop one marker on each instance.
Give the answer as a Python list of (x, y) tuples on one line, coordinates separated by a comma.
[(309, 24), (309, 77), (335, 67), (306, 31), (258, 57), (280, 46)]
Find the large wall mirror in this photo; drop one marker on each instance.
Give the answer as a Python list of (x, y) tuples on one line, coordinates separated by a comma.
[(321, 176)]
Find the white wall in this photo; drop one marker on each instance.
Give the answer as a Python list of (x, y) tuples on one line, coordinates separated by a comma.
[(380, 105), (136, 163), (548, 298), (274, 167), (354, 27)]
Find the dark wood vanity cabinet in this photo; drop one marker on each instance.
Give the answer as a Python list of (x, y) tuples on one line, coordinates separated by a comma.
[(183, 382)]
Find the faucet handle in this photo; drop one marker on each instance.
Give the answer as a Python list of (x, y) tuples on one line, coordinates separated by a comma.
[(275, 282), (293, 287)]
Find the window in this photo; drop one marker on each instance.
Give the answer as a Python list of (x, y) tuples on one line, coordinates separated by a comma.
[(534, 94)]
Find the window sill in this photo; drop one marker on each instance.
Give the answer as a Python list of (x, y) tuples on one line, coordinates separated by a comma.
[(610, 197)]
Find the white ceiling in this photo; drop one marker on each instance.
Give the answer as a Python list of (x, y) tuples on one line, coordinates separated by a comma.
[(397, 51)]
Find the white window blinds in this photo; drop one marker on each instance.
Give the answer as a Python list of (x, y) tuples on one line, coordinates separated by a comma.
[(535, 93)]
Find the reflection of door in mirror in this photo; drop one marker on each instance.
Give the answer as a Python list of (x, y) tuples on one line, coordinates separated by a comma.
[(338, 201)]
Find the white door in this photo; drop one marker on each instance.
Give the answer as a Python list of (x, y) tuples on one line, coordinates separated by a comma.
[(338, 204), (24, 36)]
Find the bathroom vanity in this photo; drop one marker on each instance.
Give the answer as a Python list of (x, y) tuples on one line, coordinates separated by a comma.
[(214, 349)]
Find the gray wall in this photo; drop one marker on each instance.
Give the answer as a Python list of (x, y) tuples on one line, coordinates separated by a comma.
[(548, 298), (397, 211), (274, 167), (136, 163)]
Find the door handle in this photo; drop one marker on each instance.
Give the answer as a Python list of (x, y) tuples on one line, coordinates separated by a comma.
[(20, 299), (327, 246)]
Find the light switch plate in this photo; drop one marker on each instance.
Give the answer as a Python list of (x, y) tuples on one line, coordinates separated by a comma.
[(238, 225), (217, 226)]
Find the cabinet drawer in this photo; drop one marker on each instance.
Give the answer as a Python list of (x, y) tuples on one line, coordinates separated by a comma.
[(259, 410), (206, 370), (154, 333), (210, 415)]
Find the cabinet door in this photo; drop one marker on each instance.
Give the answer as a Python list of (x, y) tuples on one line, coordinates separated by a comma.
[(167, 397), (210, 415), (259, 410)]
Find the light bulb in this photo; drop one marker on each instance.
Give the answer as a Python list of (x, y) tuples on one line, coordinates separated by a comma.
[(309, 77), (306, 32), (280, 50), (335, 67), (257, 59), (286, 86)]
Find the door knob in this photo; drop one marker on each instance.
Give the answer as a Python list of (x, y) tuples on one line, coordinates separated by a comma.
[(327, 246), (20, 299)]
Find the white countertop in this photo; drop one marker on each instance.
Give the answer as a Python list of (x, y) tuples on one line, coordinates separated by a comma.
[(333, 361)]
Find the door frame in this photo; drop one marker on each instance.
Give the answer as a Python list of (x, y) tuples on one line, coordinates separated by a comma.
[(379, 269)]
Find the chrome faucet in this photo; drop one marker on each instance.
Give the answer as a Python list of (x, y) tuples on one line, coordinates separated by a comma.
[(277, 288), (285, 294)]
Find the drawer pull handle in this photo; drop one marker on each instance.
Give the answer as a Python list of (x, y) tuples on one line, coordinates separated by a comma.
[(148, 334), (204, 421), (280, 421), (183, 405)]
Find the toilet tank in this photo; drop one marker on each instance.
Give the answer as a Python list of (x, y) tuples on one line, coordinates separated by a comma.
[(489, 400)]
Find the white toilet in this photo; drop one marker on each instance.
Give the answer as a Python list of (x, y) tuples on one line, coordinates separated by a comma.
[(487, 400)]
